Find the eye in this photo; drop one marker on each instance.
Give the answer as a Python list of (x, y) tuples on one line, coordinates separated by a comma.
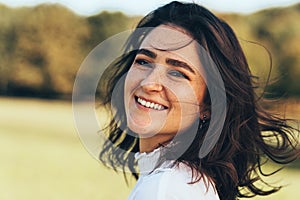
[(143, 62), (178, 74)]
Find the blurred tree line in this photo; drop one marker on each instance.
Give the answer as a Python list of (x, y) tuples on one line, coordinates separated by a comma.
[(42, 47)]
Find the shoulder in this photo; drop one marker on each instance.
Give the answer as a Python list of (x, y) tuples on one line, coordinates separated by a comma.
[(178, 184), (173, 184)]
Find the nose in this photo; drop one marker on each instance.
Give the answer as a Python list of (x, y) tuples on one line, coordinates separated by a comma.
[(153, 81)]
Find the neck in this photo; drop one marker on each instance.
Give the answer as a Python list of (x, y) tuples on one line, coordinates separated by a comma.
[(149, 144)]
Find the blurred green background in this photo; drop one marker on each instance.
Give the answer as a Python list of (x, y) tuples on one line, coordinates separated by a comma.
[(41, 49)]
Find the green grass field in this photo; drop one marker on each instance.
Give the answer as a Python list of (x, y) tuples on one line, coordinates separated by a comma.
[(42, 158)]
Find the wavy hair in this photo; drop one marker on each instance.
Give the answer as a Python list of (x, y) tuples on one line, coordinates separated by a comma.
[(250, 136)]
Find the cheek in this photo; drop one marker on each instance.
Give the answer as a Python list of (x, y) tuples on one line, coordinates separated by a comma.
[(188, 99), (131, 81), (128, 88), (185, 110), (200, 93), (185, 94)]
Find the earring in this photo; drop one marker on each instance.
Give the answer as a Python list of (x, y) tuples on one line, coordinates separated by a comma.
[(202, 122)]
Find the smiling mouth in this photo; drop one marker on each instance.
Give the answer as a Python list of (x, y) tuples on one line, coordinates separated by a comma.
[(149, 104)]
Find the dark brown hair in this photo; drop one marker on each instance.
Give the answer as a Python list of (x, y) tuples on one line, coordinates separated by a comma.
[(250, 135)]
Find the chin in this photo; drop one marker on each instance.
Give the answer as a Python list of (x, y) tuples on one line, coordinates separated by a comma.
[(142, 132)]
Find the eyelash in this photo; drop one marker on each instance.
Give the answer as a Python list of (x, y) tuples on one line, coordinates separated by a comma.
[(142, 62), (176, 73)]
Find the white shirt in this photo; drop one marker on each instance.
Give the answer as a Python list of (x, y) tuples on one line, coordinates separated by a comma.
[(168, 181)]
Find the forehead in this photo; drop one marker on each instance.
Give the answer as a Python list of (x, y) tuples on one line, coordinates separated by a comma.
[(165, 37), (174, 42)]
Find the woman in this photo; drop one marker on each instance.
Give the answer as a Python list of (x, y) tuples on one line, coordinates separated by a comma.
[(185, 114)]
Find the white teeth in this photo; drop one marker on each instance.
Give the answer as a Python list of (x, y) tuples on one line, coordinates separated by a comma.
[(150, 104), (143, 102)]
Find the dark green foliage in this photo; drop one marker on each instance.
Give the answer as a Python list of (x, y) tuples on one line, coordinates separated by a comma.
[(42, 47), (279, 30)]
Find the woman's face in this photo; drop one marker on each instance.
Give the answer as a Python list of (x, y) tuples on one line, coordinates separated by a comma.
[(164, 87)]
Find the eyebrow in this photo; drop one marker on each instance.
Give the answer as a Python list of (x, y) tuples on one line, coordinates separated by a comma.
[(173, 62), (147, 52), (178, 63)]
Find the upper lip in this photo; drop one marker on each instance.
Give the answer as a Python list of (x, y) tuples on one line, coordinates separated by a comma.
[(150, 100)]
